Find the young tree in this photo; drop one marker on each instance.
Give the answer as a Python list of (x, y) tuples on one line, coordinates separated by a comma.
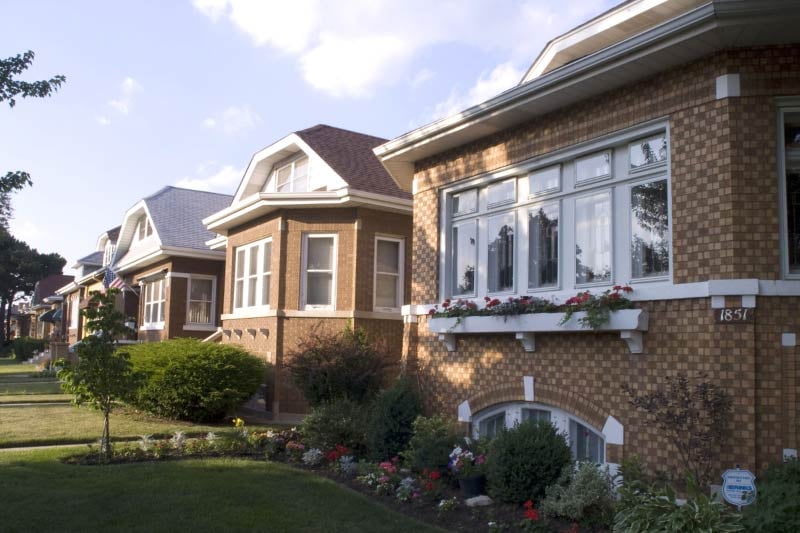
[(694, 417), (103, 375), (10, 89)]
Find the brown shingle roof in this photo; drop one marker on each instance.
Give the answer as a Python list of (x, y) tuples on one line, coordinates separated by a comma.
[(47, 286), (350, 155)]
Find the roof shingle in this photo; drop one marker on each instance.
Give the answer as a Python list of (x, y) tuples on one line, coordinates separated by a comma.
[(178, 214)]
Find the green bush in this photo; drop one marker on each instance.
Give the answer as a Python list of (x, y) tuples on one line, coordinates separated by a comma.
[(25, 346), (777, 507), (340, 422), (645, 509), (524, 460), (392, 419), (326, 367), (432, 442), (583, 495), (193, 380)]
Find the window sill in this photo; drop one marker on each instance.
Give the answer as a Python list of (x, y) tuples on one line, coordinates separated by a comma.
[(199, 327), (630, 323), (249, 312), (152, 327)]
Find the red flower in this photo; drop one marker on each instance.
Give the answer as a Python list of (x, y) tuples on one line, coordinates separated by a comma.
[(445, 304), (487, 299), (627, 288), (528, 504), (428, 486), (613, 296), (617, 287), (532, 514), (435, 475), (432, 311)]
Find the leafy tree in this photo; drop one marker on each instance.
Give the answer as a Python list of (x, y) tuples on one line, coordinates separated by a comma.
[(694, 417), (20, 268), (103, 375), (10, 89)]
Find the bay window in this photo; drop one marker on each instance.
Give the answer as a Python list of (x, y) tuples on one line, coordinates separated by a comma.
[(388, 286), (504, 233), (252, 274), (319, 271)]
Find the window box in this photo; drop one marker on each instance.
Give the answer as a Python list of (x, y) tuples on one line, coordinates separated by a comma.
[(629, 322)]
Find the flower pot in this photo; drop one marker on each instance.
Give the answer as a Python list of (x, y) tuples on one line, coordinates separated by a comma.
[(473, 485)]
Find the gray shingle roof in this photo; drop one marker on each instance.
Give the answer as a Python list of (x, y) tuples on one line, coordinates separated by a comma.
[(350, 155), (113, 234), (177, 215), (94, 258)]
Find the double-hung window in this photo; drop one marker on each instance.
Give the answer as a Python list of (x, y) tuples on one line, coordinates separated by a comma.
[(789, 165), (200, 305), (155, 296), (388, 288), (319, 271), (252, 275), (591, 215)]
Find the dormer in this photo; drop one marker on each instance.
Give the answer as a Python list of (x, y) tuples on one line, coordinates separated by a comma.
[(142, 231), (318, 167)]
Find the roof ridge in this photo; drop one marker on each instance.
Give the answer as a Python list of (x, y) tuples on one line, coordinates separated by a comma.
[(328, 126)]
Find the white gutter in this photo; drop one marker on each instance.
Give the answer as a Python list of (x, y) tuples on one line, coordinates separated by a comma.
[(165, 252)]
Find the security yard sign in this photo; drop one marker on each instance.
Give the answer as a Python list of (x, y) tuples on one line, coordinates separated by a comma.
[(738, 487)]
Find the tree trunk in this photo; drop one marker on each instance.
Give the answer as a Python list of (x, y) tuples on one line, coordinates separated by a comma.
[(6, 322), (105, 440)]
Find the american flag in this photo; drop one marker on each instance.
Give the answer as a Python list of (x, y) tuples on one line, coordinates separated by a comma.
[(112, 281)]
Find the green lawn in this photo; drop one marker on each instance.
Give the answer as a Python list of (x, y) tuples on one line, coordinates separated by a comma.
[(65, 424), (34, 398), (30, 387), (41, 494), (9, 366)]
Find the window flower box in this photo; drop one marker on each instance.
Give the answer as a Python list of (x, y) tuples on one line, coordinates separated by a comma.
[(630, 323)]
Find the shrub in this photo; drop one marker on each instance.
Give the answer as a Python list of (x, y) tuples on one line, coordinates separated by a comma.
[(777, 507), (645, 509), (524, 460), (329, 366), (25, 346), (583, 495), (432, 442), (694, 417), (341, 422), (193, 380), (391, 420)]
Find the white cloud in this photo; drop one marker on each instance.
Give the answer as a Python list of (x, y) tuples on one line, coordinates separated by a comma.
[(502, 77), (102, 120), (233, 120), (421, 77), (224, 180), (128, 88), (350, 47)]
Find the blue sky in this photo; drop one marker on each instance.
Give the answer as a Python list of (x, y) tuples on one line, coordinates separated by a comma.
[(183, 92)]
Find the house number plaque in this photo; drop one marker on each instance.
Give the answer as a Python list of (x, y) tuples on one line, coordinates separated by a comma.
[(734, 315)]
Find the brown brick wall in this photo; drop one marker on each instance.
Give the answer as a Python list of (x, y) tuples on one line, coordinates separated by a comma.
[(583, 373), (724, 226)]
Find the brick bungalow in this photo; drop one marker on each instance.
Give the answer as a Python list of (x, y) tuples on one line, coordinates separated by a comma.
[(316, 237), (657, 145), (162, 255), (90, 271)]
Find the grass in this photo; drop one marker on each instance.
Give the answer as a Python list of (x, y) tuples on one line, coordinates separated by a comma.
[(34, 398), (39, 425), (9, 366), (30, 387), (200, 495)]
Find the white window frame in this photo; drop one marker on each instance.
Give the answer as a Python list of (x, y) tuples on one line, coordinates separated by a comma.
[(212, 312), (74, 311), (292, 165), (618, 183), (400, 274), (256, 247), (558, 417), (160, 303), (785, 105), (612, 266), (525, 255), (304, 271)]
